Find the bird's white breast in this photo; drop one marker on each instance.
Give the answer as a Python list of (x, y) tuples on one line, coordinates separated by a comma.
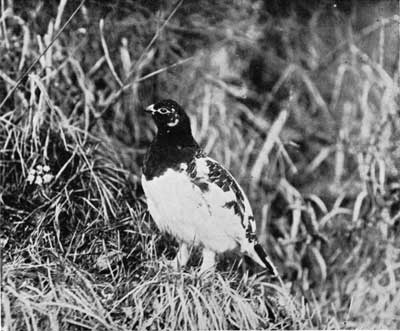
[(180, 207)]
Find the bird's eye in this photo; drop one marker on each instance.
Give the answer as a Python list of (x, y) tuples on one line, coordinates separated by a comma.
[(163, 111)]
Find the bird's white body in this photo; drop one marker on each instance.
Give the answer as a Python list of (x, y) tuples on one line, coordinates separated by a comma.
[(180, 207)]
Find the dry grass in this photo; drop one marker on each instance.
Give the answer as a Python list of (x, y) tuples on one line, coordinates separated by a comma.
[(303, 110)]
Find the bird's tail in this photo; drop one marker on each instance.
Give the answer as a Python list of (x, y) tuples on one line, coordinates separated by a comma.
[(262, 258)]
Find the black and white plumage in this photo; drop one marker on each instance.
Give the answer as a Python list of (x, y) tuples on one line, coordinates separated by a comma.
[(192, 196)]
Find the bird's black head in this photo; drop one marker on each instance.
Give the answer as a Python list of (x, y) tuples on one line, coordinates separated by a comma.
[(169, 117)]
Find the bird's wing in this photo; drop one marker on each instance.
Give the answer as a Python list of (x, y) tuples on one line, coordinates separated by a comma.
[(221, 190)]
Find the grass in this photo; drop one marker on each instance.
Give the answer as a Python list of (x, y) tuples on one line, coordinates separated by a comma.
[(302, 108)]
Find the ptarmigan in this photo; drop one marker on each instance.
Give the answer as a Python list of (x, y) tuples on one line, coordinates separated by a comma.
[(192, 196)]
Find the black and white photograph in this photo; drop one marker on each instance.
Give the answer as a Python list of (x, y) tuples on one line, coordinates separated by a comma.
[(199, 165)]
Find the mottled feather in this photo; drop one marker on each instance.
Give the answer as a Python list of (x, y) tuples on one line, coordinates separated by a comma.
[(205, 171)]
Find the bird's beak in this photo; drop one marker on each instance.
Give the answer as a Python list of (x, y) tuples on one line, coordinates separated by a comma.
[(150, 109)]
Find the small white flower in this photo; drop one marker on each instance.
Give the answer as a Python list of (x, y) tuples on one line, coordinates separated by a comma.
[(30, 178), (39, 180), (46, 168), (39, 169), (47, 178), (32, 172)]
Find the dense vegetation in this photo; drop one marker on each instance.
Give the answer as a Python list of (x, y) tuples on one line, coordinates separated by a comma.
[(299, 101)]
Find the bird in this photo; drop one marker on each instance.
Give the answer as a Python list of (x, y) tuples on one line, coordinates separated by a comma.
[(193, 197)]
